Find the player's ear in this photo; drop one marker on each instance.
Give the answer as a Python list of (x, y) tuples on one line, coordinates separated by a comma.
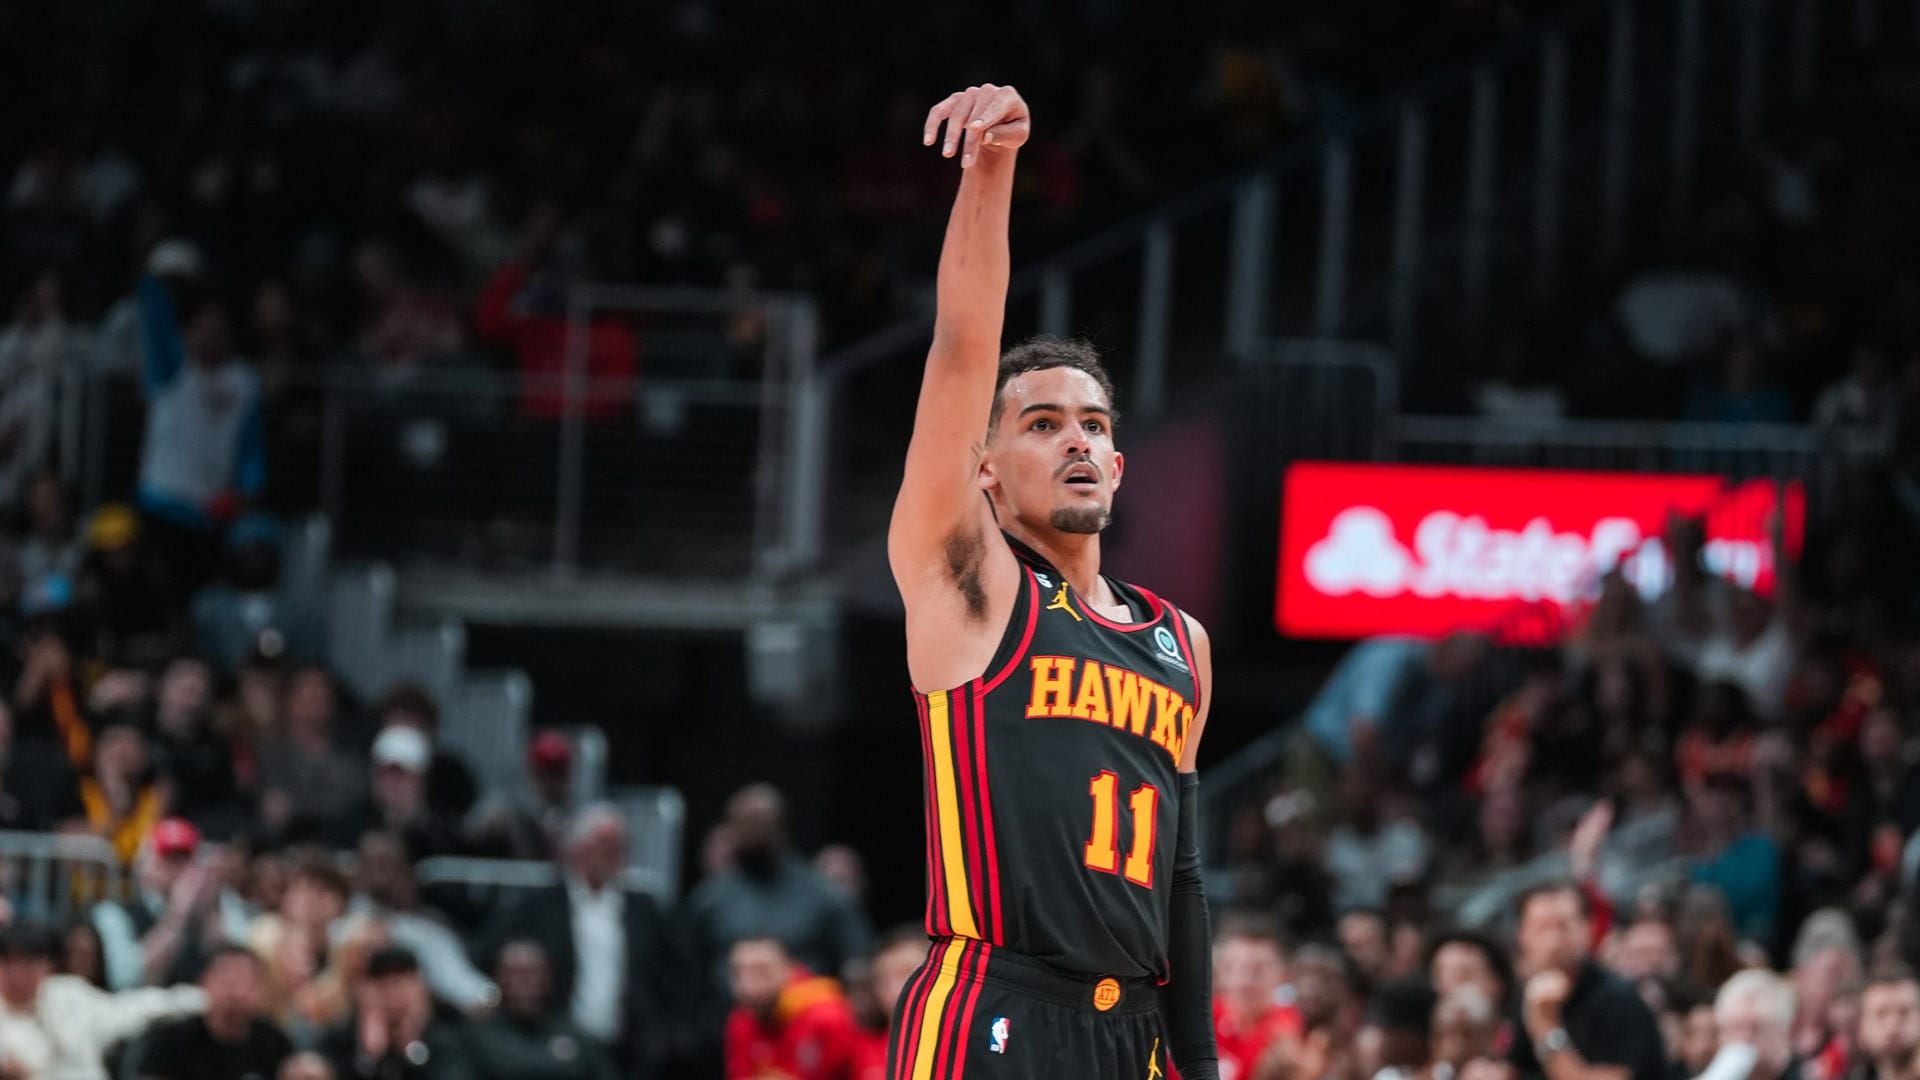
[(1119, 468), (983, 477)]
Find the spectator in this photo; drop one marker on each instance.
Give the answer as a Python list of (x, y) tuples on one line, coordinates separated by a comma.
[(1890, 1027), (1575, 1020), (401, 760), (1699, 1038), (612, 962), (529, 1039), (81, 953), (527, 821), (1394, 1037), (1857, 413), (46, 695), (389, 891), (1466, 1028), (1742, 395), (196, 762), (395, 1032), (1738, 858), (50, 556), (38, 791), (231, 618), (451, 789), (232, 1040), (203, 454), (770, 891), (1323, 990), (1754, 1012), (841, 867), (293, 944), (1647, 950), (306, 1066), (164, 932), (1249, 974), (122, 800), (59, 1026), (307, 784), (1363, 937), (1826, 971), (1463, 960), (125, 591), (898, 955), (785, 1020), (39, 354), (403, 323)]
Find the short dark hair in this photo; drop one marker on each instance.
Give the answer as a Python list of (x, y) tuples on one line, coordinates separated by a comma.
[(1257, 926), (1893, 973), (392, 960), (1485, 945), (30, 940), (225, 949), (411, 698), (908, 934), (1553, 888), (1042, 352), (319, 868)]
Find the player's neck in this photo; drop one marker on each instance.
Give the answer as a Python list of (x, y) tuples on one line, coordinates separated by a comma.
[(1075, 555)]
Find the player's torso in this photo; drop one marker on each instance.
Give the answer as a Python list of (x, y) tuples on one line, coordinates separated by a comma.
[(1051, 783)]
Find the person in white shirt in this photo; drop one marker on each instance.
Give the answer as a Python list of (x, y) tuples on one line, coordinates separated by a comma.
[(58, 1027)]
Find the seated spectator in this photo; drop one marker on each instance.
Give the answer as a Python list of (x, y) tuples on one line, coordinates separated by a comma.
[(1394, 1037), (398, 795), (161, 935), (898, 955), (232, 1040), (613, 966), (121, 795), (1890, 1026), (1826, 973), (389, 891), (1647, 949), (307, 784), (1569, 1007), (1754, 1012), (306, 1066), (49, 558), (59, 1026), (38, 791), (403, 323), (197, 764), (1466, 1028), (770, 891), (203, 453), (47, 704), (1737, 856), (124, 589), (37, 351), (293, 942), (1857, 414), (529, 1038), (786, 1020), (81, 953), (395, 1031), (1742, 394), (526, 821), (1249, 972), (1363, 937), (1463, 958), (231, 617), (451, 788), (1699, 1038)]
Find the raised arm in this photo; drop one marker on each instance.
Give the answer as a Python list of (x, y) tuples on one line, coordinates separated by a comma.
[(938, 497), (945, 553)]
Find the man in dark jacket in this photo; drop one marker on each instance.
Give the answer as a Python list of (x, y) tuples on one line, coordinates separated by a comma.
[(529, 1039), (395, 1031), (611, 959)]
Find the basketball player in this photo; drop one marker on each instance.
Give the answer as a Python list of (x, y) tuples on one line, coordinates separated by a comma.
[(1060, 709)]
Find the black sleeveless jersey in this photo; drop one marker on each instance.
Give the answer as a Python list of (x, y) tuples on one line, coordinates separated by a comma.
[(1051, 792)]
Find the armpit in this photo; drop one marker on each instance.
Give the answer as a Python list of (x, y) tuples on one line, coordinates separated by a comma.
[(966, 551)]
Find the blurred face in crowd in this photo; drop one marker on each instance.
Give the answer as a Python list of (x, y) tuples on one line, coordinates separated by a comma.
[(1458, 965), (1554, 934), (1880, 737), (1699, 1039), (305, 1066), (121, 754), (523, 980), (1363, 935), (840, 865), (396, 995), (1464, 1023), (309, 712), (185, 690), (1320, 983), (1501, 819), (1762, 1023), (1890, 1021), (1647, 948), (20, 978), (47, 506), (1247, 972), (83, 953), (400, 792), (596, 855), (757, 818), (892, 967), (311, 902), (757, 969), (1823, 978), (235, 993), (206, 336), (385, 875)]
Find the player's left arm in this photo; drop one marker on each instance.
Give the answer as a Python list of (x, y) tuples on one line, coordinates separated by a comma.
[(1186, 1001)]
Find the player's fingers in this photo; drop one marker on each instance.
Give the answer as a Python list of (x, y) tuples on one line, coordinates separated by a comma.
[(995, 108), (936, 114), (1008, 136), (957, 123)]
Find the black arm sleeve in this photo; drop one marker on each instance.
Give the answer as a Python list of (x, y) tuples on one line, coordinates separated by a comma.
[(1186, 1001)]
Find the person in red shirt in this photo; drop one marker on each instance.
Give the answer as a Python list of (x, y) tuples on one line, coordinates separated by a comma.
[(1249, 976), (893, 962), (787, 1023)]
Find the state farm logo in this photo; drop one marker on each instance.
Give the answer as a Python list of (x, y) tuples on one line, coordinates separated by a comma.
[(1462, 557)]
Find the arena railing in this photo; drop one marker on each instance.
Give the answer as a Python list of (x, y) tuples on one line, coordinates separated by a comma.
[(56, 876)]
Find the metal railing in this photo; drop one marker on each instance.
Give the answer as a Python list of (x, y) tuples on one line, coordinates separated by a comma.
[(56, 876), (702, 465), (1737, 451)]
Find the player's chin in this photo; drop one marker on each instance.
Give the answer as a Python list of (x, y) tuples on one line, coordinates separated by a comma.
[(1081, 516)]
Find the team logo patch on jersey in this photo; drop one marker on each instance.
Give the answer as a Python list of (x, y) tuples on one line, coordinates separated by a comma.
[(1106, 993), (1001, 1029), (1169, 648)]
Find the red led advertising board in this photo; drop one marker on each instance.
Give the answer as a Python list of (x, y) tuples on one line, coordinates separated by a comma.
[(1420, 549)]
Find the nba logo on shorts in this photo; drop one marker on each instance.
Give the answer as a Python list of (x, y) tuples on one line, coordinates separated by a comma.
[(1000, 1030)]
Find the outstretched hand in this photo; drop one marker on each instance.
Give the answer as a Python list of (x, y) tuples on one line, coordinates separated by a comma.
[(978, 119)]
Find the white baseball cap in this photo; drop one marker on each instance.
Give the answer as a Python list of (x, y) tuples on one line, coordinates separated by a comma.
[(403, 746)]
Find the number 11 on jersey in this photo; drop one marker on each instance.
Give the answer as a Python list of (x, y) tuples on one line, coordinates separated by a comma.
[(1103, 851)]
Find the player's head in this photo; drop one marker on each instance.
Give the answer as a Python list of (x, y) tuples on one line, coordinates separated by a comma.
[(1049, 461)]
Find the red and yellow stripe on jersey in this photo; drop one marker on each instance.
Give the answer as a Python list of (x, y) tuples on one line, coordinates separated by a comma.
[(937, 1018), (963, 872)]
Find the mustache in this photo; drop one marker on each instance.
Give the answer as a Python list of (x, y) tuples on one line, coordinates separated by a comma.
[(1081, 460)]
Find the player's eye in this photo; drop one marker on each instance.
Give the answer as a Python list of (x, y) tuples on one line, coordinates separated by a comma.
[(1096, 426), (1043, 424)]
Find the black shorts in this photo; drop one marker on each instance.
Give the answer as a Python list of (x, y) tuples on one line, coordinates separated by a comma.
[(983, 1013)]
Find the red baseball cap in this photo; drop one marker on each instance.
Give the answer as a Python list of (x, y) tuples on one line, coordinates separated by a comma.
[(549, 750), (174, 836)]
